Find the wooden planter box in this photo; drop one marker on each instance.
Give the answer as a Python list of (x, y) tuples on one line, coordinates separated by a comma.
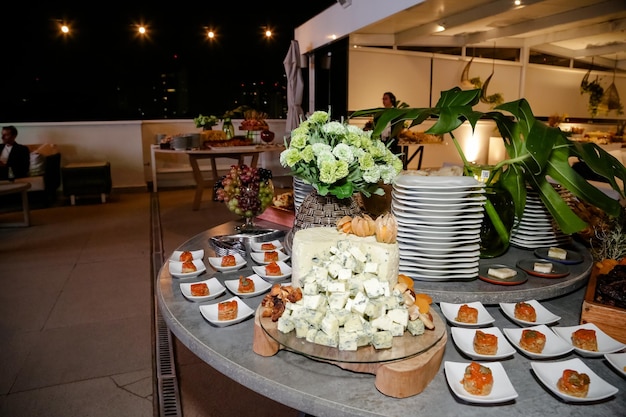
[(609, 319)]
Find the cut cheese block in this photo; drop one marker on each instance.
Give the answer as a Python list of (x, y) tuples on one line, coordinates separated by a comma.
[(557, 253), (542, 267), (309, 245), (502, 273)]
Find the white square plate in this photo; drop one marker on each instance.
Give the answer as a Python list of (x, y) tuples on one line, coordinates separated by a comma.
[(555, 346), (464, 340), (196, 254), (502, 388), (256, 246), (216, 262), (450, 311), (284, 268), (215, 289), (606, 344), (176, 269), (544, 316), (209, 312), (550, 372), (259, 257), (260, 286), (618, 361)]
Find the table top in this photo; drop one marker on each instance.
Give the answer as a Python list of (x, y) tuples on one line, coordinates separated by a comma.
[(217, 150), (7, 187), (322, 389)]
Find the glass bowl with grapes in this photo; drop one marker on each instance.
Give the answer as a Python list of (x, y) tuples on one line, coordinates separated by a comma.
[(247, 192)]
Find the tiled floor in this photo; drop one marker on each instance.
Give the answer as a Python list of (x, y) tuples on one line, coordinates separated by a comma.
[(76, 313)]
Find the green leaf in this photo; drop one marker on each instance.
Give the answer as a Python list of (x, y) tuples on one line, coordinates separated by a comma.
[(602, 163)]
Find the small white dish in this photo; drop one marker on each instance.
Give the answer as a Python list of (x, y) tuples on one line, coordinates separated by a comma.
[(544, 316), (284, 268), (215, 289), (502, 390), (216, 262), (464, 339), (555, 346), (550, 372), (451, 310), (257, 246), (606, 344), (176, 269), (260, 286), (259, 257), (618, 361), (196, 254), (209, 312)]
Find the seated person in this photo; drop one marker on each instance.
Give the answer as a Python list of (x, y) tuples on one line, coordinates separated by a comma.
[(14, 158)]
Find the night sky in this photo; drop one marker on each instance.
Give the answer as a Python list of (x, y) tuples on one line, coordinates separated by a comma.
[(103, 71)]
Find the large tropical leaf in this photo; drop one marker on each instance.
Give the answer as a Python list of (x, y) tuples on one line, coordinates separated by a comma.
[(602, 163)]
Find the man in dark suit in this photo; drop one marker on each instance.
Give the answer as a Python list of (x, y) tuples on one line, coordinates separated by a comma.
[(14, 158)]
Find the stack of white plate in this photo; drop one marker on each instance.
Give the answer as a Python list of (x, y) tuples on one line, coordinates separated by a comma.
[(439, 220), (300, 191), (537, 228)]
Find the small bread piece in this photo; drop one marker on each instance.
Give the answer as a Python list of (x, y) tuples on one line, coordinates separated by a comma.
[(502, 273), (185, 256), (246, 285), (188, 267), (574, 383), (532, 340), (467, 314), (542, 267), (525, 311), (273, 269), (485, 343), (227, 310), (268, 246), (229, 260), (585, 339), (477, 379), (270, 256), (200, 290), (557, 253)]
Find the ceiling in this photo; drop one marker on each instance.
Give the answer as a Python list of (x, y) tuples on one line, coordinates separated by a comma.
[(575, 29)]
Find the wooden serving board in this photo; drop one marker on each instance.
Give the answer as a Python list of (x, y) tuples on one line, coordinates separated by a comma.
[(399, 379), (609, 319)]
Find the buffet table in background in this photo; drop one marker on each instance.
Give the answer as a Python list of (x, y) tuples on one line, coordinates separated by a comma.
[(322, 389)]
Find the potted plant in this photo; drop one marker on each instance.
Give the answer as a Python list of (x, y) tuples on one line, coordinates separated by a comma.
[(205, 122), (535, 150)]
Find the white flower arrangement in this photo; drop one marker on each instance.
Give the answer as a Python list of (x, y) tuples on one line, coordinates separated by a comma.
[(338, 158)]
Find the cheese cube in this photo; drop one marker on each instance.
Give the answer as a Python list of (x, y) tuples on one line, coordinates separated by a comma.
[(310, 288), (342, 315), (329, 324), (374, 309), (354, 323), (382, 322), (302, 328), (557, 253), (415, 327), (322, 338), (396, 330), (338, 300), (382, 340), (347, 340), (359, 303), (374, 288), (285, 324), (358, 255), (336, 286), (333, 269), (399, 315), (542, 267), (502, 273), (312, 302), (371, 267), (310, 335), (344, 274)]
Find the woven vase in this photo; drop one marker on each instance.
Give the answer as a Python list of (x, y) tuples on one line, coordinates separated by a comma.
[(323, 211)]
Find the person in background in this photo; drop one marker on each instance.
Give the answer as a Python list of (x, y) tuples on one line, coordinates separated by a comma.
[(389, 101), (14, 158)]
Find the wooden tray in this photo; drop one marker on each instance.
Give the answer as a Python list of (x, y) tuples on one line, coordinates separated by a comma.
[(399, 379), (608, 318)]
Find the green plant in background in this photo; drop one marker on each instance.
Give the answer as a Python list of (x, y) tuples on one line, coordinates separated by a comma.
[(595, 91), (205, 122), (535, 151)]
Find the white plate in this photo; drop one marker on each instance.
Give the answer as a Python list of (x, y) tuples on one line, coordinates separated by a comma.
[(606, 344), (555, 346), (259, 257), (256, 246), (451, 310), (215, 289), (196, 254), (422, 181), (209, 312), (464, 339), (502, 388), (409, 198), (176, 268), (618, 361), (284, 268), (260, 286), (544, 316), (216, 262), (550, 372), (420, 275)]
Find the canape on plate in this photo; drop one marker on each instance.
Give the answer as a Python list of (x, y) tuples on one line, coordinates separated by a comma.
[(245, 284), (574, 383), (477, 379), (485, 343), (227, 310), (585, 339), (532, 340), (525, 311), (229, 260), (467, 314)]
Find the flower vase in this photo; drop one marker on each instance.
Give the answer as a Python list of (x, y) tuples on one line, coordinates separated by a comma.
[(323, 211), (495, 241), (228, 128)]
